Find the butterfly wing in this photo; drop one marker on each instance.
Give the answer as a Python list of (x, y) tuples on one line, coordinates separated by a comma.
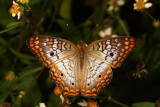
[(100, 56), (114, 51), (64, 73), (96, 74), (61, 56)]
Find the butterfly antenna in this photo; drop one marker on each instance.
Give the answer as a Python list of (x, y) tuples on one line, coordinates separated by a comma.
[(92, 31), (67, 29)]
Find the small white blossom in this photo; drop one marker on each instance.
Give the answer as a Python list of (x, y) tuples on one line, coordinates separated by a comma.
[(41, 105), (62, 98), (16, 9), (107, 32), (82, 103), (114, 4), (141, 4)]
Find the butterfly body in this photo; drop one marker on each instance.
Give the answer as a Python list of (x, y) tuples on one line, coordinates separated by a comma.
[(81, 69)]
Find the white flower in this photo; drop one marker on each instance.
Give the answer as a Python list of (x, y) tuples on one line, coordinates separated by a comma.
[(114, 4), (82, 103), (141, 4), (41, 105), (16, 9), (62, 98), (107, 33)]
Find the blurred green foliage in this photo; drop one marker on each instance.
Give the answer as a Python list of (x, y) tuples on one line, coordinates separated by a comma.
[(23, 80)]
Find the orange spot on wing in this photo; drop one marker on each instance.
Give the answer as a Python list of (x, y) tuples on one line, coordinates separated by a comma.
[(66, 88), (77, 90), (107, 80), (127, 52), (131, 39), (123, 50), (132, 46), (106, 76), (121, 54), (36, 38), (94, 90), (65, 93), (126, 39), (48, 62), (126, 43), (33, 49), (119, 58), (59, 46), (40, 49), (94, 95), (115, 62), (42, 53), (36, 47), (38, 55), (104, 46), (98, 84), (72, 91), (36, 42), (31, 39), (126, 47), (31, 45), (88, 91), (36, 51), (124, 55), (55, 74)]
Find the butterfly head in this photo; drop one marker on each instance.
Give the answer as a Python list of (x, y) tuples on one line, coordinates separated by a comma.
[(82, 45)]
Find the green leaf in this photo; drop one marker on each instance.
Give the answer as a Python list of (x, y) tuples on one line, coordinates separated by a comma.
[(65, 9), (2, 41), (3, 97), (13, 24), (22, 56), (144, 104)]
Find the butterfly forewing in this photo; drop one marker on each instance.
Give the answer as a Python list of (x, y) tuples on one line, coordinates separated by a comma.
[(114, 51), (50, 50)]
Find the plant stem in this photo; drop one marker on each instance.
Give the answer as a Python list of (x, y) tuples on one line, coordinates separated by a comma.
[(10, 28), (124, 27), (149, 16), (122, 24), (117, 102)]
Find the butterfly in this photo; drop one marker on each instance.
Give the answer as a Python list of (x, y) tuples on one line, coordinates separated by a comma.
[(82, 69)]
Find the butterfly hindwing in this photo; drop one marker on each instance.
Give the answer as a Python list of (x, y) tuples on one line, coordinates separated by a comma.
[(96, 74), (64, 73)]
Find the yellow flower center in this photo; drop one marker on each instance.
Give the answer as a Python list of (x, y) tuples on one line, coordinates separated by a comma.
[(140, 4), (14, 9)]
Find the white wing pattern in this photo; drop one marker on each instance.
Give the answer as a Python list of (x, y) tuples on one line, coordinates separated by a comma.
[(81, 70), (96, 74), (61, 56)]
